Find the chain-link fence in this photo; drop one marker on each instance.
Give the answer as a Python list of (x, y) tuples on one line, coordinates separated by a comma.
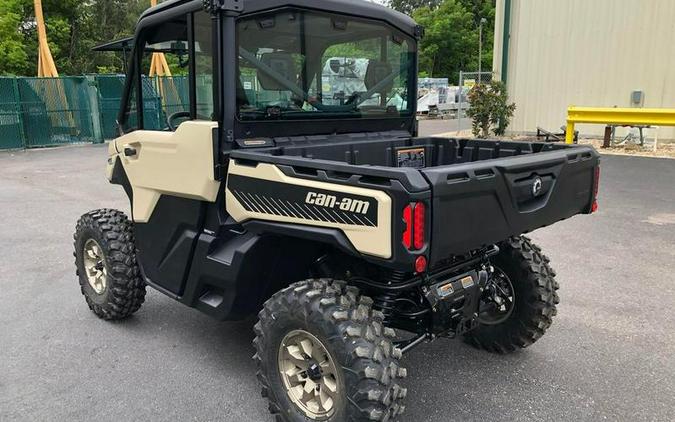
[(11, 124), (40, 112), (467, 80), (55, 111), (162, 96)]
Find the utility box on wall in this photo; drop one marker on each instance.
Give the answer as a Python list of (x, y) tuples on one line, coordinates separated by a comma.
[(637, 98)]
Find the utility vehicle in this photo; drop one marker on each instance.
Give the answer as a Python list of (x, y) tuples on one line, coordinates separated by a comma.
[(318, 207)]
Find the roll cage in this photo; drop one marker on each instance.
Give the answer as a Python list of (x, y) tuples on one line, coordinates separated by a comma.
[(226, 84)]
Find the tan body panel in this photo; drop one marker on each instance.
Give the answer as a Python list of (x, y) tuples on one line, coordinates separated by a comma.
[(375, 241), (176, 163)]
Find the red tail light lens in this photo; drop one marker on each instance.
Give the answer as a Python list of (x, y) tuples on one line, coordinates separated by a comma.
[(407, 234), (596, 188), (414, 216), (418, 226), (420, 264)]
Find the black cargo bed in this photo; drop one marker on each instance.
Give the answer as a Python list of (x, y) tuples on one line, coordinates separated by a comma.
[(482, 192)]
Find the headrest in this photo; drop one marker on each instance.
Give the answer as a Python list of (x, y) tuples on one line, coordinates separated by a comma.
[(376, 72)]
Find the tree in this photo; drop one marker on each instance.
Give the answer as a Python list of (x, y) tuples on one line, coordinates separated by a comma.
[(481, 9), (73, 28), (451, 37), (109, 20), (408, 6), (13, 54), (448, 43)]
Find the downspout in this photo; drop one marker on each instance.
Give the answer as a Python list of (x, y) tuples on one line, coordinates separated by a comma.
[(506, 36)]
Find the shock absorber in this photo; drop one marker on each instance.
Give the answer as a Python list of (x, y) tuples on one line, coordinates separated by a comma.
[(396, 277), (386, 301)]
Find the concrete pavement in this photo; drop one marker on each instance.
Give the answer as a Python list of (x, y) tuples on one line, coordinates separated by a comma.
[(609, 354)]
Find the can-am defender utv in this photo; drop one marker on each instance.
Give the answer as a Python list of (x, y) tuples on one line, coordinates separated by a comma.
[(289, 181)]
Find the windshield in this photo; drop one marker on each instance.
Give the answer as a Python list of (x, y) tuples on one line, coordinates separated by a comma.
[(298, 65)]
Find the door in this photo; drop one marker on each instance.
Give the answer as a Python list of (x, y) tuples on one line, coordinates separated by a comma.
[(167, 149)]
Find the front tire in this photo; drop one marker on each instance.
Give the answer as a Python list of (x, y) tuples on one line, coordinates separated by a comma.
[(325, 333), (105, 258), (535, 298)]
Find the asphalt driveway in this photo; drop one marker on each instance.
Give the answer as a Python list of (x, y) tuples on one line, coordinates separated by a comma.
[(610, 353)]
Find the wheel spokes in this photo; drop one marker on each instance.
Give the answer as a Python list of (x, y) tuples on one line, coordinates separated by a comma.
[(330, 384), (294, 354), (94, 266), (325, 399), (307, 346), (97, 251), (309, 374), (309, 385)]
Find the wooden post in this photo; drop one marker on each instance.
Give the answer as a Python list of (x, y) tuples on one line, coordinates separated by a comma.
[(158, 64), (607, 140), (46, 65)]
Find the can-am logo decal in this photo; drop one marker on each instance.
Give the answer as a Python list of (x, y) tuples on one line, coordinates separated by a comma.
[(332, 201), (304, 203)]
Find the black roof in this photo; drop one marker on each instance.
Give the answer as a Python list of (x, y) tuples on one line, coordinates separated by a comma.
[(349, 7), (124, 44)]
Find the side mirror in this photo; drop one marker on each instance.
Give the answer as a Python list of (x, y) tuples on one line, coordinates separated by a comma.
[(180, 49)]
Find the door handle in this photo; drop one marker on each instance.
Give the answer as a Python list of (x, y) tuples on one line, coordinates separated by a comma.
[(130, 152)]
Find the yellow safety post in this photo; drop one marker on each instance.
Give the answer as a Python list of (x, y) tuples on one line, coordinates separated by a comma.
[(617, 117), (46, 65)]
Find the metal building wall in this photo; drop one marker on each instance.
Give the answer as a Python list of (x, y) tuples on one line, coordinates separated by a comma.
[(585, 53)]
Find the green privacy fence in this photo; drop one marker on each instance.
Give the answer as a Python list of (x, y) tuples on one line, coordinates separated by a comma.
[(42, 112), (11, 124)]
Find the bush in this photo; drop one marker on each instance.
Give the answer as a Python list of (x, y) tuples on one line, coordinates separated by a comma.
[(489, 109)]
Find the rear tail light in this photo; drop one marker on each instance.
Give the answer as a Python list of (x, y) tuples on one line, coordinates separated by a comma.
[(407, 234), (596, 188), (414, 216), (418, 226)]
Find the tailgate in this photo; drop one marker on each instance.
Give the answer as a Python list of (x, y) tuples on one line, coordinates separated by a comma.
[(481, 203)]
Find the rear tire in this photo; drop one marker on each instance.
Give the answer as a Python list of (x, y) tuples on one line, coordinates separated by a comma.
[(105, 257), (341, 322), (535, 299)]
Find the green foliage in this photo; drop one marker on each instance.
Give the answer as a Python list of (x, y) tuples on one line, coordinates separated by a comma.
[(366, 49), (481, 9), (451, 36), (490, 109), (12, 50), (408, 6), (73, 28)]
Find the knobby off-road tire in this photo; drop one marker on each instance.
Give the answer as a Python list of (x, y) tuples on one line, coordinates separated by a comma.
[(368, 372), (535, 299), (109, 234)]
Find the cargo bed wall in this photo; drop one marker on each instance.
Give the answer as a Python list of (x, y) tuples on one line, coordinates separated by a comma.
[(437, 151), (482, 203)]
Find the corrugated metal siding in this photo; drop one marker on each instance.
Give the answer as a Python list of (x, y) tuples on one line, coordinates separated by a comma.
[(587, 53)]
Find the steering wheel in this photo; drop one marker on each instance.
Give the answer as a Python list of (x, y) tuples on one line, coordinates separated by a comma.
[(174, 116)]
